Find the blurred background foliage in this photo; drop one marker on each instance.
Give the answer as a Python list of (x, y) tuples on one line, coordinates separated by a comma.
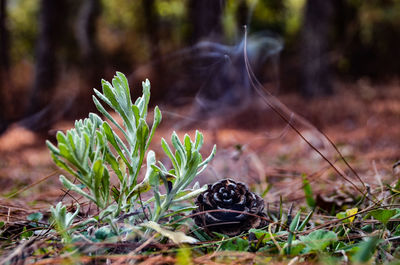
[(372, 26), (94, 38)]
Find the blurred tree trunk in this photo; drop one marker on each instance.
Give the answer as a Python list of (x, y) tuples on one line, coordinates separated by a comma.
[(151, 20), (205, 23), (315, 59), (4, 51), (86, 35), (52, 26), (91, 62), (152, 32), (4, 65), (205, 16)]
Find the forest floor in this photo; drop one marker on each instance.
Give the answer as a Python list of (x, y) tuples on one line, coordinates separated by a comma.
[(361, 119), (253, 146)]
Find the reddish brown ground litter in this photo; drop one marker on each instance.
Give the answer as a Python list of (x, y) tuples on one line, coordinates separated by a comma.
[(254, 147)]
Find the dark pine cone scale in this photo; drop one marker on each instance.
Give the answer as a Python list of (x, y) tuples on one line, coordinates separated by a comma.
[(228, 194)]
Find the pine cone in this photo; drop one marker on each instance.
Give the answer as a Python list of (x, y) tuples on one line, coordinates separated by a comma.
[(230, 195)]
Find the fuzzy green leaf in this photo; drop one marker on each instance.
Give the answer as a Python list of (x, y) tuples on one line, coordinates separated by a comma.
[(319, 240), (383, 215)]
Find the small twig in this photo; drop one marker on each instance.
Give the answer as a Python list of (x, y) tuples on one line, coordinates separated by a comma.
[(327, 224), (17, 251), (218, 248), (33, 184), (220, 210), (273, 238), (144, 210), (392, 238), (141, 247), (66, 192)]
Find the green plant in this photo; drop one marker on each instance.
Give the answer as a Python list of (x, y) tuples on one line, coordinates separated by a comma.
[(63, 220), (319, 240), (81, 152), (308, 192), (94, 150), (187, 163)]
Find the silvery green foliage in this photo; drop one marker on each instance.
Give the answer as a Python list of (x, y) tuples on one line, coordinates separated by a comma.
[(81, 152), (93, 150), (63, 220), (187, 164)]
